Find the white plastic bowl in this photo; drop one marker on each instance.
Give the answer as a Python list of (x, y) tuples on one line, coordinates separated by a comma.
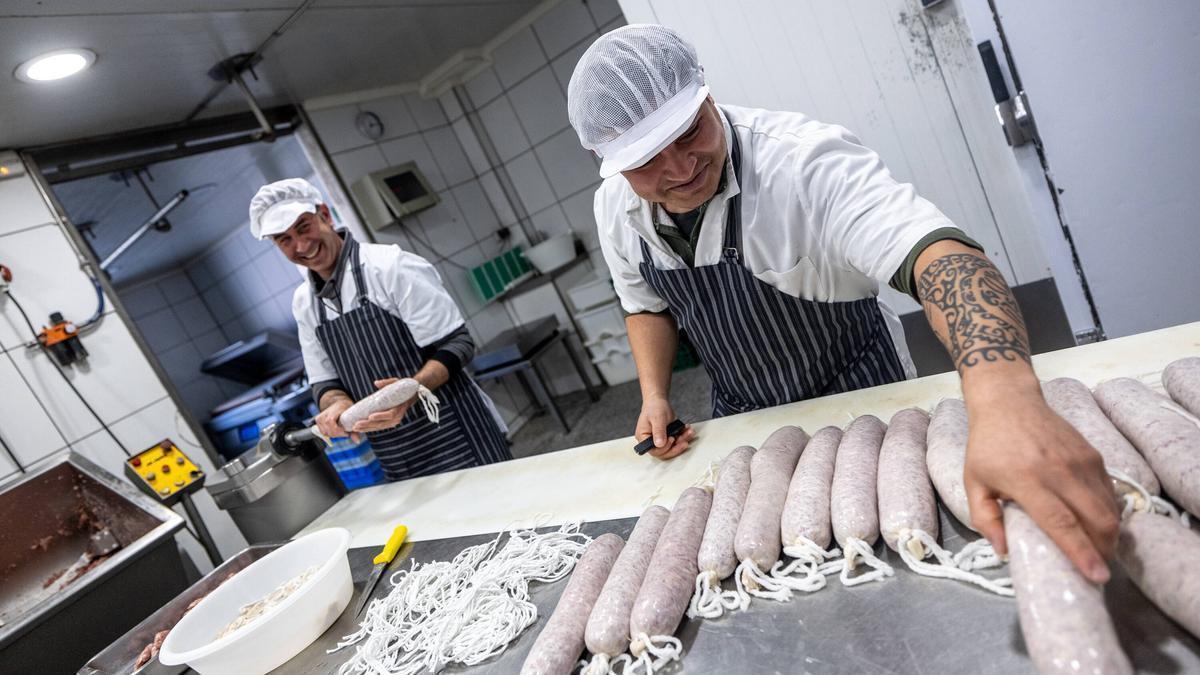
[(552, 253), (284, 630)]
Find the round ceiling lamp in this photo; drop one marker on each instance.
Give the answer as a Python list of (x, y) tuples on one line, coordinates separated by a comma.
[(55, 65)]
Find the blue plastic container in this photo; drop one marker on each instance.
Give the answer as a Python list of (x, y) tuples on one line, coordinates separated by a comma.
[(355, 464)]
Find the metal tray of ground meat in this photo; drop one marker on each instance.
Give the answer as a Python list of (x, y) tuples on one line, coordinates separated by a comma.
[(58, 605), (904, 624), (120, 657)]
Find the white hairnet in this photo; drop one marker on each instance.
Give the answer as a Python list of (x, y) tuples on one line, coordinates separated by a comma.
[(276, 206), (633, 92)]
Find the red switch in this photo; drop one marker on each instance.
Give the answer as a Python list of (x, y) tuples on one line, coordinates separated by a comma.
[(166, 468), (136, 461)]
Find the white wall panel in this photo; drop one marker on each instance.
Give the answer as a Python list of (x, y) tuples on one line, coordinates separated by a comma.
[(23, 206), (1112, 86)]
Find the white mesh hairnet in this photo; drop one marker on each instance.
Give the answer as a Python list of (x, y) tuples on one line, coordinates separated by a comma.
[(633, 92), (276, 206)]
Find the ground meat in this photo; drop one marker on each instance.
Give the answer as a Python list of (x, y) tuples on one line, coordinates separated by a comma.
[(151, 649), (252, 611)]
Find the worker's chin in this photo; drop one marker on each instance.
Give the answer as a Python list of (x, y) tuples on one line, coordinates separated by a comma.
[(678, 205)]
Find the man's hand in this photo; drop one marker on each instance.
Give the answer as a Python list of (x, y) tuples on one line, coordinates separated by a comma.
[(384, 419), (657, 413), (334, 403), (1019, 449)]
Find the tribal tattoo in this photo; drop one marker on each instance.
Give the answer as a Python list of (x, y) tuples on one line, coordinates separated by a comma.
[(982, 320)]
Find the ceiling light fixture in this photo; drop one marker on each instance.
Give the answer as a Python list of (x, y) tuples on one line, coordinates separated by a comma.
[(55, 65)]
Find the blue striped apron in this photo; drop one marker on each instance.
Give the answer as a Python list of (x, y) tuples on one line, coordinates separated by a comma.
[(763, 347), (368, 344)]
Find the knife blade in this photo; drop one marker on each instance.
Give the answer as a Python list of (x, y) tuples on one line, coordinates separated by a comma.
[(381, 562)]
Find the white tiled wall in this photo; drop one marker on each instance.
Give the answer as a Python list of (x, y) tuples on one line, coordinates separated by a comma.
[(521, 103), (41, 416)]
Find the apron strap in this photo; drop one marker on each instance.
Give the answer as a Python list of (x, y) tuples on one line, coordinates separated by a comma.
[(359, 284), (733, 211)]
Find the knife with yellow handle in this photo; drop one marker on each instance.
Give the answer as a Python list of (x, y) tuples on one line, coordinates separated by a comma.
[(381, 562)]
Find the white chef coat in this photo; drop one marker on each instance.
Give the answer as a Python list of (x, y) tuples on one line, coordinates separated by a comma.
[(402, 284), (822, 217)]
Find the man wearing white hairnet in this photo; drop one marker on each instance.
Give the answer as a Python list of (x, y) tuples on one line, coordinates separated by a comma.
[(368, 315), (765, 236)]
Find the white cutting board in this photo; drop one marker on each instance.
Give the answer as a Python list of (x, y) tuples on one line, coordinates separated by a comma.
[(607, 480)]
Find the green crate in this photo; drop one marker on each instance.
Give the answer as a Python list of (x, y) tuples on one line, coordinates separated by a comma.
[(495, 276)]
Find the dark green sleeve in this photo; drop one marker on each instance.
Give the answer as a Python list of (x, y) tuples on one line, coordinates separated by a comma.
[(903, 279)]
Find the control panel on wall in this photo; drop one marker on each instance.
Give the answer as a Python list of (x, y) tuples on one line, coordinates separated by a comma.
[(164, 472), (391, 193)]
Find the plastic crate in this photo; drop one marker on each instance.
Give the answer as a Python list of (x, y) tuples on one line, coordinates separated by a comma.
[(500, 273), (355, 463)]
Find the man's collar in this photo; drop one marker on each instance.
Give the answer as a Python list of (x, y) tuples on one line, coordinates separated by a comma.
[(328, 288)]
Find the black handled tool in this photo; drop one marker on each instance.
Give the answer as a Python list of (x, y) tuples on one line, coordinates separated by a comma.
[(673, 429)]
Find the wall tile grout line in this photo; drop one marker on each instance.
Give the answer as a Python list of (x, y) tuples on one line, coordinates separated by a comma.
[(30, 228)]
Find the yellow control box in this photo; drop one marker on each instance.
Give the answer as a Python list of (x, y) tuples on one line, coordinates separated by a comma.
[(164, 472)]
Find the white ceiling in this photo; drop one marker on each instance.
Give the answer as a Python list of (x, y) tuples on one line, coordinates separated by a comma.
[(154, 55)]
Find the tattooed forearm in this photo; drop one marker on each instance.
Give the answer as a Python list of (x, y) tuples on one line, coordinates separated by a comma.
[(972, 310)]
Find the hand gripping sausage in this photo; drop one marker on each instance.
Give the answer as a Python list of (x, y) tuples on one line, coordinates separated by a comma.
[(716, 559), (389, 397), (804, 525), (946, 456), (1063, 618), (557, 648), (1181, 379), (667, 587), (607, 632), (853, 507), (1073, 401), (757, 542), (1167, 435), (1160, 556), (908, 517)]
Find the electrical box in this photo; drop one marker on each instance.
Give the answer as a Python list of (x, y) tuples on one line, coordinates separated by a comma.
[(391, 193)]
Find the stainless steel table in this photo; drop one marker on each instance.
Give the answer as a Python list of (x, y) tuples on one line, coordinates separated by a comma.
[(905, 624), (519, 350)]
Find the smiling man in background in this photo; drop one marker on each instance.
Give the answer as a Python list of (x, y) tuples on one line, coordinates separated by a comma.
[(370, 314)]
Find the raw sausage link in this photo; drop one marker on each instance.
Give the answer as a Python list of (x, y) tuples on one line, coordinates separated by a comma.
[(608, 627), (758, 535), (806, 511), (946, 457), (1181, 379), (1063, 618), (1167, 439), (733, 482), (1160, 556), (558, 646), (383, 399), (852, 505), (1073, 401), (667, 588), (906, 498)]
